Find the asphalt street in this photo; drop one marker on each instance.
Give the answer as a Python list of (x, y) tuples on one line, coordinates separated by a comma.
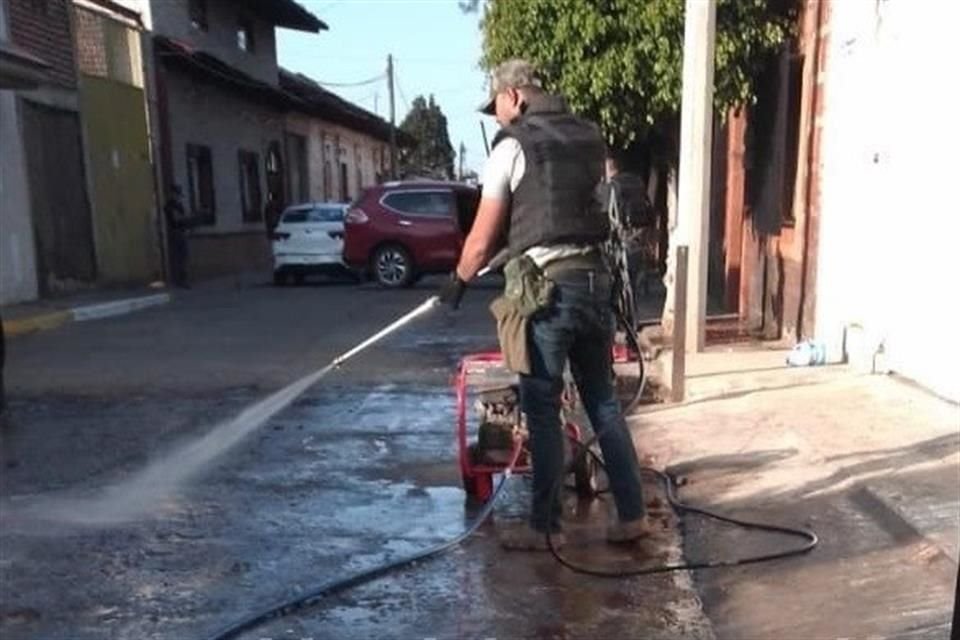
[(360, 469)]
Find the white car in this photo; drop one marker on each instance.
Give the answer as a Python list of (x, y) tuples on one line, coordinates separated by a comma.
[(308, 239)]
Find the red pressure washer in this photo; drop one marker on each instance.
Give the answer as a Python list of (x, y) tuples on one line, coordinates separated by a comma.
[(487, 449)]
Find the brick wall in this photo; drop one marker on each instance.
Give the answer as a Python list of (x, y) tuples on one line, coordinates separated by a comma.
[(91, 44), (107, 48), (42, 27)]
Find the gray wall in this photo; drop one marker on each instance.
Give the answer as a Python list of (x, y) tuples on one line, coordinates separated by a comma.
[(171, 18), (201, 114), (18, 271)]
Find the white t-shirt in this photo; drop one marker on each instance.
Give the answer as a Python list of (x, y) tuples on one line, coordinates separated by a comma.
[(501, 175)]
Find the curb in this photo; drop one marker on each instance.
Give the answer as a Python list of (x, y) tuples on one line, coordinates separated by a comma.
[(30, 324), (54, 319), (117, 307)]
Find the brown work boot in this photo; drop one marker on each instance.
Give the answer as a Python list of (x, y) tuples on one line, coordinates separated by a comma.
[(526, 538), (624, 532)]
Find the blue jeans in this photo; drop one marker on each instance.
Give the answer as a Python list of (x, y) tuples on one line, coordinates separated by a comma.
[(577, 325)]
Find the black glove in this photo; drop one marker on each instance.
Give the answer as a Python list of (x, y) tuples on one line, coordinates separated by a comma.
[(452, 291)]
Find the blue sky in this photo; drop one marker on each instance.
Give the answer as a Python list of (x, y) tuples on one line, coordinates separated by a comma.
[(435, 46)]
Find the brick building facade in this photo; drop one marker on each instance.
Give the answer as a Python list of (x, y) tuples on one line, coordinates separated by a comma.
[(43, 28)]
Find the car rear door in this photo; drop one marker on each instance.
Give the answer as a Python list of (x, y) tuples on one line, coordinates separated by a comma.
[(425, 221)]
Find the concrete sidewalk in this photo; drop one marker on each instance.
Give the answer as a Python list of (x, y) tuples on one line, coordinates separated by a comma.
[(40, 315), (871, 463)]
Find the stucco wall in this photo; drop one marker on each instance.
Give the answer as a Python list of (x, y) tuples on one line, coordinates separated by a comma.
[(323, 139), (122, 183), (18, 270), (890, 222), (171, 18), (201, 114)]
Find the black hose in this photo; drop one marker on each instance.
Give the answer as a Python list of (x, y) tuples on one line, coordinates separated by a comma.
[(669, 488), (629, 328), (301, 602)]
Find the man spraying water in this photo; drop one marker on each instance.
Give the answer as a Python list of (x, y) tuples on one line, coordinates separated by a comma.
[(539, 192)]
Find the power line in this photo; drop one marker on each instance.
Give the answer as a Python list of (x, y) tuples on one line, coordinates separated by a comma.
[(403, 97), (256, 84), (376, 78)]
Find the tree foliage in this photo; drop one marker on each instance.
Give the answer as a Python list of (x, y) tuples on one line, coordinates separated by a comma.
[(619, 62), (432, 155)]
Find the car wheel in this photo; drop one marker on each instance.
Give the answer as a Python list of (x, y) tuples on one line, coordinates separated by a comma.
[(392, 266), (279, 278)]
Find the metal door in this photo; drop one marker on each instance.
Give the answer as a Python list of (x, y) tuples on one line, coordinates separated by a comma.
[(58, 197)]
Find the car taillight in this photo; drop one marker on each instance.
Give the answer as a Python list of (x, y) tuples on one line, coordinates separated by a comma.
[(356, 216), (279, 235)]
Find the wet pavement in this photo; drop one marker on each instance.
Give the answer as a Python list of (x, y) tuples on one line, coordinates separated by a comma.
[(359, 470)]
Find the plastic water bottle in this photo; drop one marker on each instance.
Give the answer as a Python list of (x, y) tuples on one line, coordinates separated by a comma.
[(807, 354)]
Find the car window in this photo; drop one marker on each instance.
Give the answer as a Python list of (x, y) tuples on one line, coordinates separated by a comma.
[(295, 216), (421, 203), (326, 214), (467, 201)]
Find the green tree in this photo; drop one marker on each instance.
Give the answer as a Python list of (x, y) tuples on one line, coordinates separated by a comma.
[(432, 155), (619, 62)]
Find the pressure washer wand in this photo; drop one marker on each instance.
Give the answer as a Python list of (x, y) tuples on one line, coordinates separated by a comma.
[(427, 305)]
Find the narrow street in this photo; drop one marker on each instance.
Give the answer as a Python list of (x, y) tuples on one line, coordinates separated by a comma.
[(360, 469), (206, 204)]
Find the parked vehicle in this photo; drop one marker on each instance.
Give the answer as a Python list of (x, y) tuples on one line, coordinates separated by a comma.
[(308, 239), (398, 231)]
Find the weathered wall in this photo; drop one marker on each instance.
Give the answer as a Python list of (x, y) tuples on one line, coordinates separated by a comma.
[(18, 270), (43, 29), (889, 219), (224, 254), (171, 18), (322, 146), (204, 115), (122, 185), (118, 153), (225, 122)]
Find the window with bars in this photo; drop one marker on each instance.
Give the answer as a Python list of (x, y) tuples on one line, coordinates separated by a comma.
[(203, 206), (251, 198)]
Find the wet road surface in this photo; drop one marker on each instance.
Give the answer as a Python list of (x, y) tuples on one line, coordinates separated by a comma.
[(360, 470)]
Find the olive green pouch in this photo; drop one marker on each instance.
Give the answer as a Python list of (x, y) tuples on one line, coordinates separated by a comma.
[(527, 287), (512, 335), (527, 291)]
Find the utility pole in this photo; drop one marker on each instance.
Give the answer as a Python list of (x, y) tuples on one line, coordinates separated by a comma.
[(463, 152), (696, 135), (393, 124)]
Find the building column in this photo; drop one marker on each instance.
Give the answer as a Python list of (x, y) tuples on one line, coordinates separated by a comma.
[(696, 133)]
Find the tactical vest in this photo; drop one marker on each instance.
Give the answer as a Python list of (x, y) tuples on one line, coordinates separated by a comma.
[(556, 200)]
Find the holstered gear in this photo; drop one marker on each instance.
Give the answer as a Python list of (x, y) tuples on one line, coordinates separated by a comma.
[(527, 290)]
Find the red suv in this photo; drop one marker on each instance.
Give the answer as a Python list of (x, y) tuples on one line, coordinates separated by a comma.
[(398, 231)]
